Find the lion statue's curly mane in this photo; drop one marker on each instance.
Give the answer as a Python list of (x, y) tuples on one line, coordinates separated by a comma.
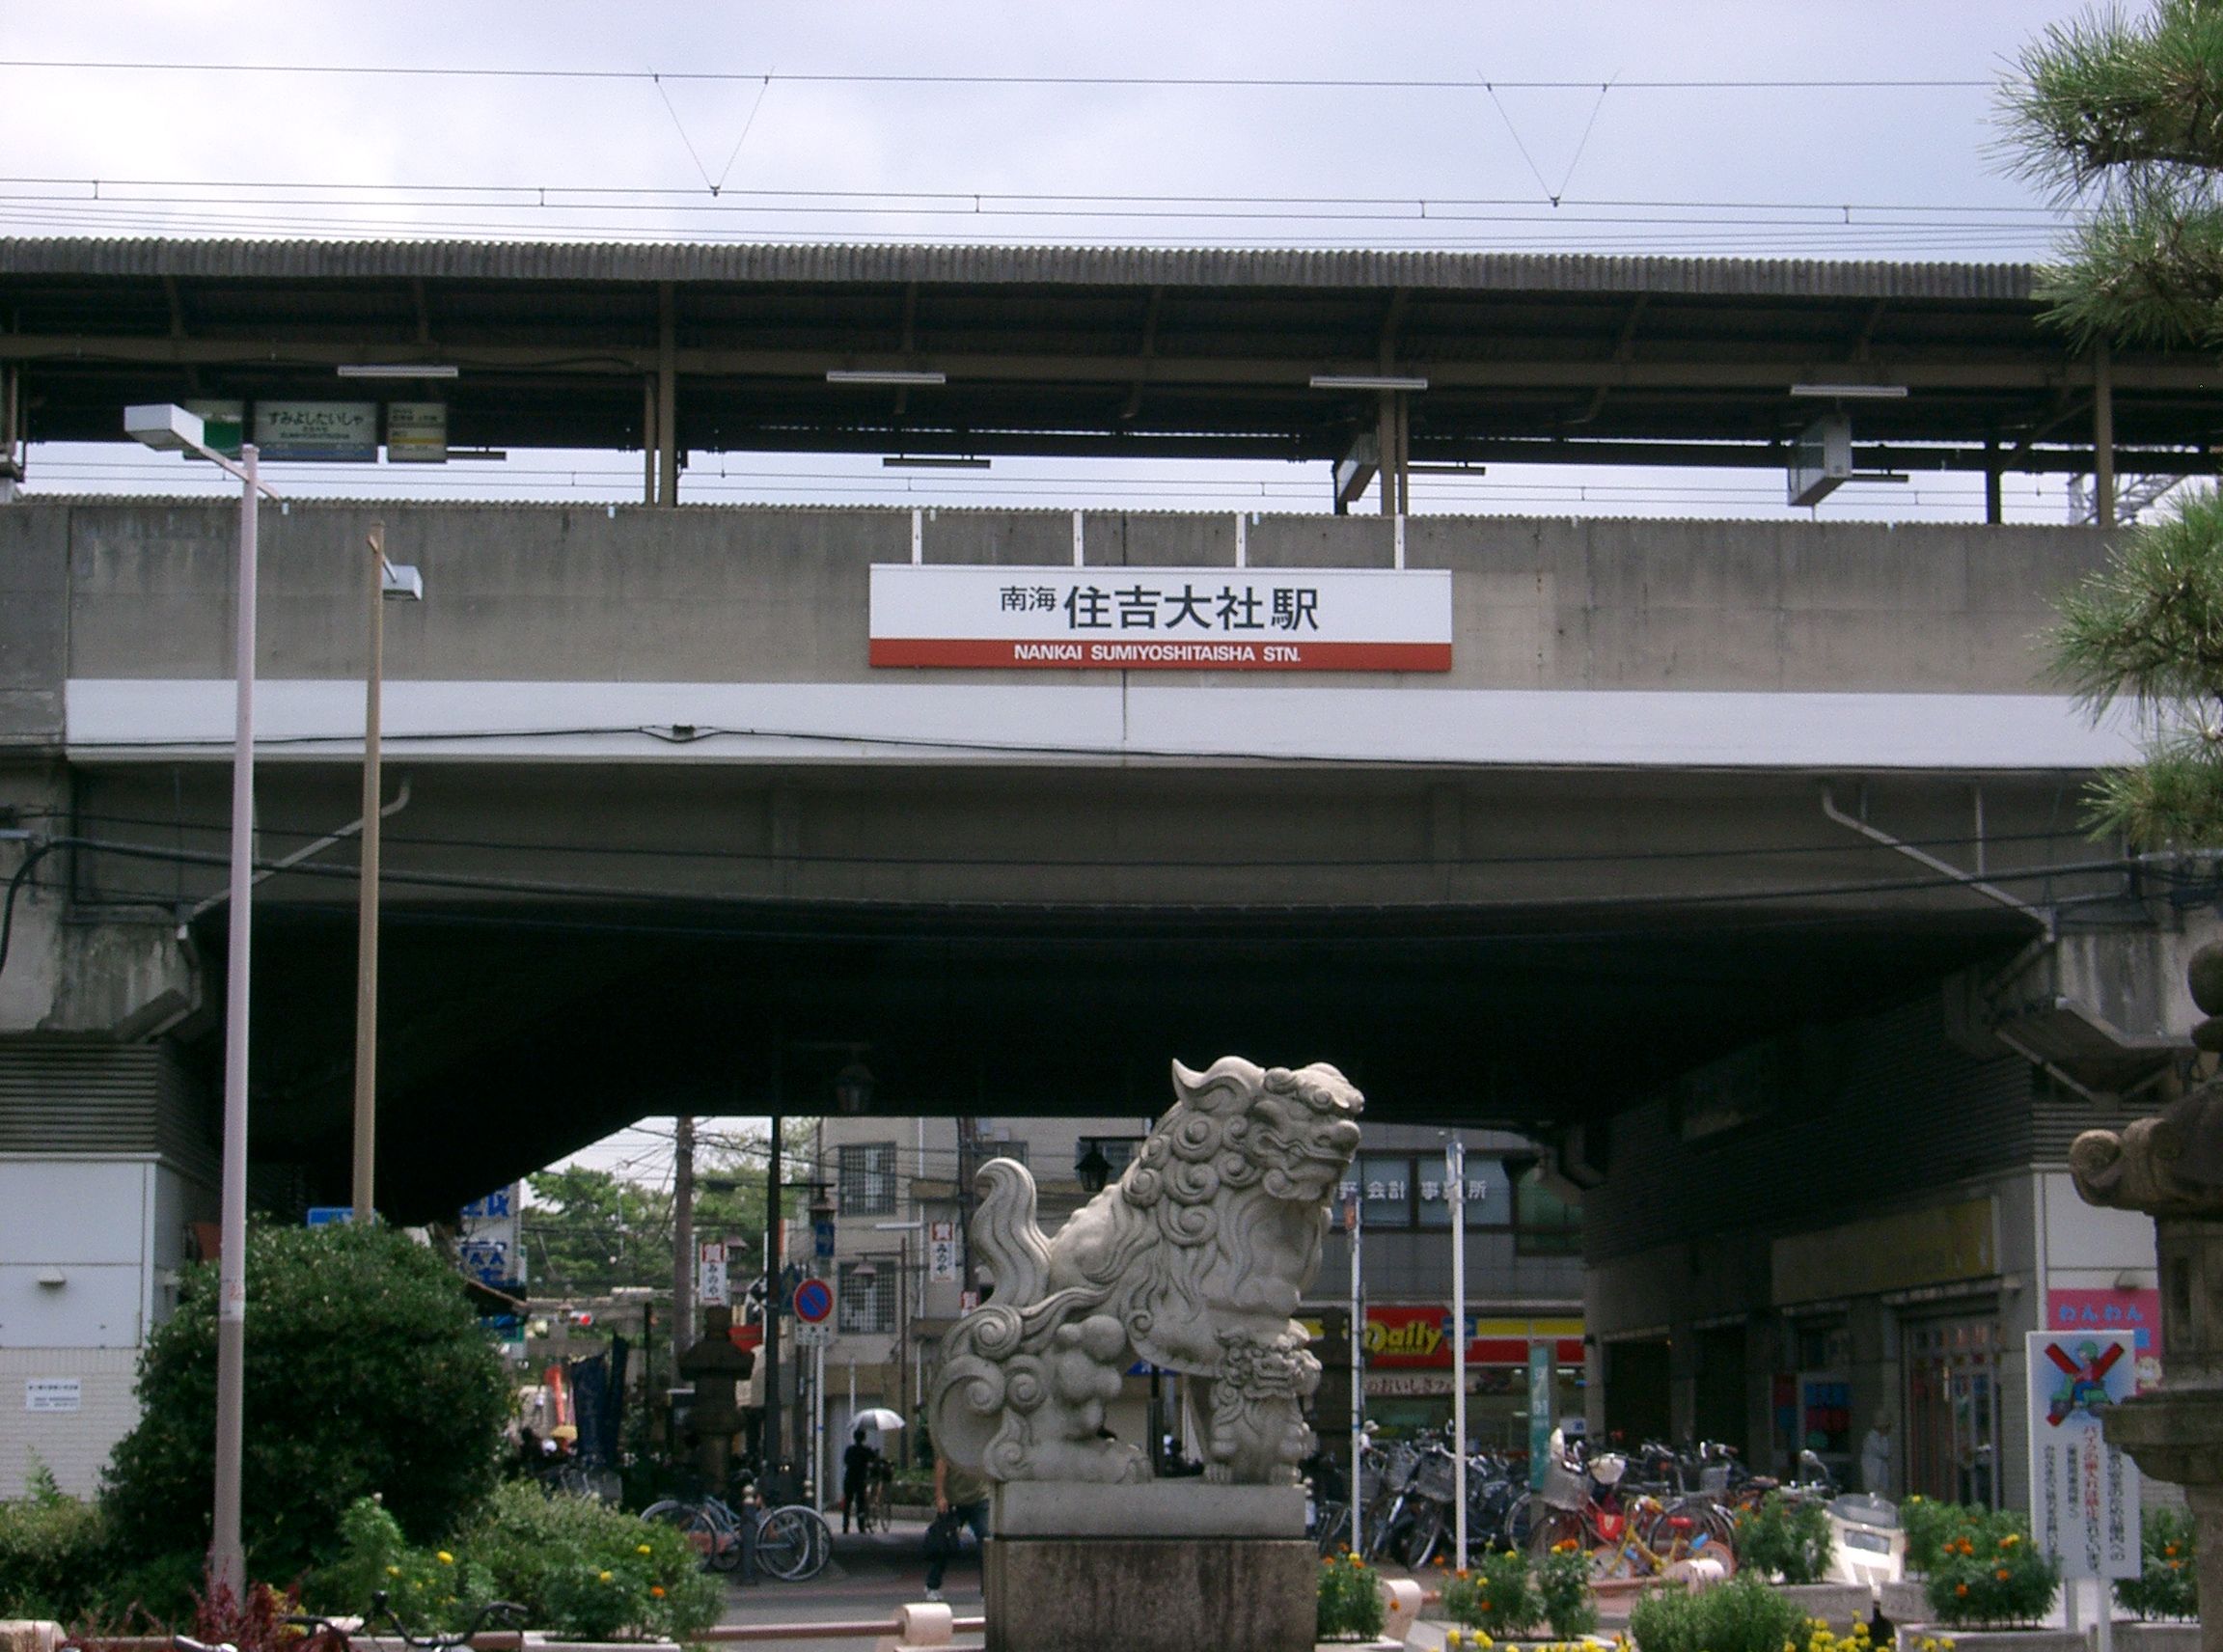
[(1194, 1260)]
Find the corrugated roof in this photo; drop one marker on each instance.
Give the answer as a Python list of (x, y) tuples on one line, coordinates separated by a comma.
[(1048, 265)]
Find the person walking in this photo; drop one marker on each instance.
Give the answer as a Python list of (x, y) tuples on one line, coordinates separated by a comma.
[(857, 1466), (960, 1501)]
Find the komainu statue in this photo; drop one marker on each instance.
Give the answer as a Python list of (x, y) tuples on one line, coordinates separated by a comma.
[(1194, 1261)]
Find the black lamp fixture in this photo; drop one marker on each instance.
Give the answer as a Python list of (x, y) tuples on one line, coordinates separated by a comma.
[(853, 1087), (1092, 1167)]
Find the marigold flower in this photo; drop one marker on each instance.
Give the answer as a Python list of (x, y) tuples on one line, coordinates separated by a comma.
[(656, 1589), (602, 1577), (392, 1571), (644, 1548), (2001, 1574), (1960, 1588), (445, 1558)]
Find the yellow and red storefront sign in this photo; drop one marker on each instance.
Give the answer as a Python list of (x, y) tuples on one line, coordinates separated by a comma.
[(1417, 1339)]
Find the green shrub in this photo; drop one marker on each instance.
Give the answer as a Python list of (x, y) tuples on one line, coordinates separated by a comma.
[(1928, 1523), (1563, 1587), (1788, 1538), (2169, 1586), (577, 1568), (1741, 1615), (54, 1556), (1496, 1595), (1989, 1572), (366, 1372), (1350, 1600)]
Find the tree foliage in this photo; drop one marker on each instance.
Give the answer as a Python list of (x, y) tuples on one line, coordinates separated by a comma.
[(589, 1232), (366, 1373), (2120, 115)]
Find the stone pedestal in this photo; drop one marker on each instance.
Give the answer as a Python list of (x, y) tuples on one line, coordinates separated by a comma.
[(1166, 1566)]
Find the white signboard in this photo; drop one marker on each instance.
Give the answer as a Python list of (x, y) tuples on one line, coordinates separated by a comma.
[(710, 1273), (2083, 1492), (941, 1252), (817, 1335), (489, 1247), (53, 1393), (333, 431), (1180, 618)]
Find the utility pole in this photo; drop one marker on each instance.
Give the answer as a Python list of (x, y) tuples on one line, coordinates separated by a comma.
[(775, 1443), (683, 1237), (362, 1195)]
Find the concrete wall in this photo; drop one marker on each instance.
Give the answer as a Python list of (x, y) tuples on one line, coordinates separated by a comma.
[(719, 594)]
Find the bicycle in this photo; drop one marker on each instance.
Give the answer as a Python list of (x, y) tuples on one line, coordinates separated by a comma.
[(1582, 1509), (791, 1543)]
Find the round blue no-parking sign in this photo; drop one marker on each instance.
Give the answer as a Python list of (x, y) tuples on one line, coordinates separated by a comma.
[(813, 1302)]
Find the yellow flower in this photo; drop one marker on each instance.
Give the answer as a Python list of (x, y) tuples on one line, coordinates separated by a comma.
[(643, 1550), (392, 1571), (445, 1558), (1453, 1639), (602, 1577)]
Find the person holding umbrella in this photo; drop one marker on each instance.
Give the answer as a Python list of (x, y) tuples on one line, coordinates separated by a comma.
[(860, 1467)]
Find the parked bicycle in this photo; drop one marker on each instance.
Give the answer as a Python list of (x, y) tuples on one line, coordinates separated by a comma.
[(791, 1542)]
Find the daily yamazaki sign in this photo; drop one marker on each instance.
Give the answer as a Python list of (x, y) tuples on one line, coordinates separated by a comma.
[(1197, 618), (1419, 1337)]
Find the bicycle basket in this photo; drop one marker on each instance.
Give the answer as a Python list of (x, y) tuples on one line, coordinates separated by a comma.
[(1714, 1480), (1433, 1478), (1564, 1487), (1398, 1466)]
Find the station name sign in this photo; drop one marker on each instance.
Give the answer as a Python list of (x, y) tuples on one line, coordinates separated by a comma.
[(1160, 618)]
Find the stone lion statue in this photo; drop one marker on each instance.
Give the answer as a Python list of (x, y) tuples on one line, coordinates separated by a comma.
[(1194, 1260)]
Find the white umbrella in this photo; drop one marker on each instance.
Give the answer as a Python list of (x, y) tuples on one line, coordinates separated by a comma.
[(879, 1418)]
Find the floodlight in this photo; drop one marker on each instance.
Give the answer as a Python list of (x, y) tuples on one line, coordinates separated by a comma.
[(166, 427), (401, 582)]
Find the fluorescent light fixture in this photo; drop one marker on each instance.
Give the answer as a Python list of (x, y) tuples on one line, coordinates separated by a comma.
[(400, 370), (401, 582), (931, 462), (1366, 381), (884, 375), (165, 427), (1852, 392)]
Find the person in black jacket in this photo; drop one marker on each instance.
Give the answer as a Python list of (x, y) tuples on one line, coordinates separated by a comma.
[(857, 1466)]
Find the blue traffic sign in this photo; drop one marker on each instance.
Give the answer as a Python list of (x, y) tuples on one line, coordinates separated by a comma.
[(813, 1302), (330, 1215)]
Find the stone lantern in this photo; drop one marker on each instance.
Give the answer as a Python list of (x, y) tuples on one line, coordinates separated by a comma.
[(2172, 1169), (717, 1369)]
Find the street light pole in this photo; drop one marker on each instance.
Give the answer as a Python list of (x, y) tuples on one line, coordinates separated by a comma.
[(361, 1191), (227, 1560), (386, 582), (173, 429)]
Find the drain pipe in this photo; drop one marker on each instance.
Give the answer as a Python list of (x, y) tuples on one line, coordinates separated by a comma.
[(2042, 917), (308, 851)]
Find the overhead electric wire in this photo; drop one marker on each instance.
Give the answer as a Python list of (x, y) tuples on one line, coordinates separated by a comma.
[(1209, 82)]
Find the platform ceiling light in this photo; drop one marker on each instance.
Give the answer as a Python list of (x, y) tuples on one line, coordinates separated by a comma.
[(931, 462), (1852, 392), (885, 375), (400, 370), (1366, 381)]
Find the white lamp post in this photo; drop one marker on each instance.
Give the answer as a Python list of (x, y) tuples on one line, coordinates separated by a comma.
[(388, 583), (173, 429)]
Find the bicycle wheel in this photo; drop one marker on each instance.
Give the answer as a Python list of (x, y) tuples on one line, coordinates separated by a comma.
[(690, 1522), (793, 1543), (1423, 1536), (1550, 1528)]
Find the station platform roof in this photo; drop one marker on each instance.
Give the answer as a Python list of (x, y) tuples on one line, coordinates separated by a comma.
[(1103, 351)]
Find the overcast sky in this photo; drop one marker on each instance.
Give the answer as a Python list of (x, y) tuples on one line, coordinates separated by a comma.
[(805, 145)]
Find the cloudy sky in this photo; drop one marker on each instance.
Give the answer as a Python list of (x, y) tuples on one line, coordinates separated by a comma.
[(1782, 128)]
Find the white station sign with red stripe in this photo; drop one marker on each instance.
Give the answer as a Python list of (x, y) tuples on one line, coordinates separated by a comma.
[(1160, 618)]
